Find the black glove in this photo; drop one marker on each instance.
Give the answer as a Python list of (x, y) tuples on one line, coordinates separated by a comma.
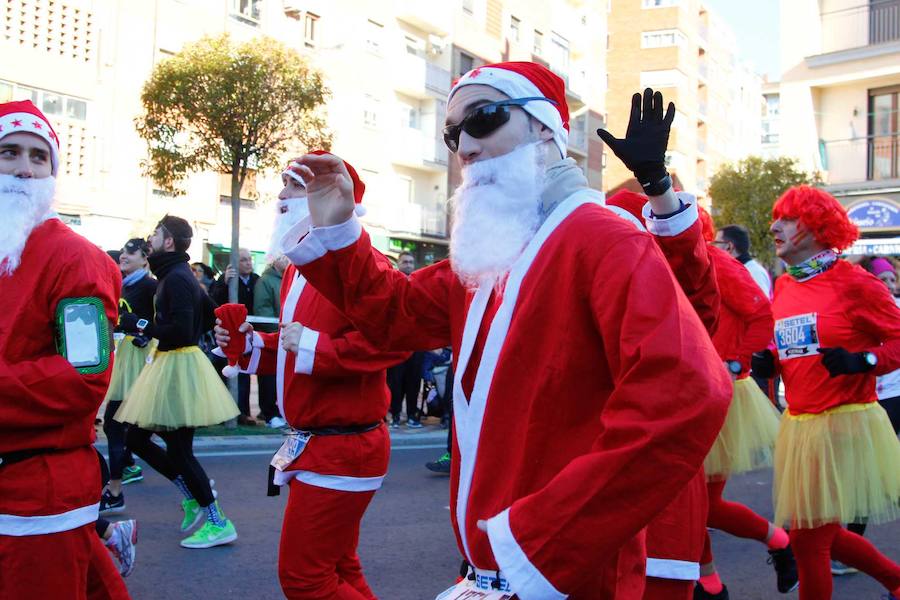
[(762, 364), (128, 323), (643, 150), (839, 361)]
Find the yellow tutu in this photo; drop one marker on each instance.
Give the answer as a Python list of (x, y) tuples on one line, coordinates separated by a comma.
[(179, 388), (746, 439), (127, 366), (840, 466)]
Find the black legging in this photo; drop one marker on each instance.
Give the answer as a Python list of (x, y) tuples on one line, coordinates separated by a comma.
[(177, 459), (119, 454), (405, 381)]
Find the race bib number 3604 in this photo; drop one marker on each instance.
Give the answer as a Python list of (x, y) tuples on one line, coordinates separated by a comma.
[(797, 336)]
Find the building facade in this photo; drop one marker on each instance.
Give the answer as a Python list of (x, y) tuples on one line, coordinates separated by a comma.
[(839, 91), (389, 66), (687, 52)]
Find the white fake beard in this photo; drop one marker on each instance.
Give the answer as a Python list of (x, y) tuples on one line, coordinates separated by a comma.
[(297, 209), (24, 204), (496, 212)]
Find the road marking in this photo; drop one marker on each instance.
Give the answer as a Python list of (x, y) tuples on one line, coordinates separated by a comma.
[(272, 451)]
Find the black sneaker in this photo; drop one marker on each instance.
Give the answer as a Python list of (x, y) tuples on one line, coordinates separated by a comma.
[(441, 465), (111, 504), (701, 594), (785, 569)]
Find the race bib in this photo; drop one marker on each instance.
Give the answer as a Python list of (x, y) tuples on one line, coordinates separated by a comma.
[(292, 447), (466, 590), (797, 336)]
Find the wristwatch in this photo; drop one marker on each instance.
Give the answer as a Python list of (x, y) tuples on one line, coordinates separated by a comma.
[(734, 367), (870, 359)]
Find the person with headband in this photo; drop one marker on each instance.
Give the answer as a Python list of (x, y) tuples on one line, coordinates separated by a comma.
[(544, 285), (836, 329)]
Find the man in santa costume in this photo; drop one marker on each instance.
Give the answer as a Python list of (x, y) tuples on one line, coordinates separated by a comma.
[(587, 391), (331, 390), (50, 386)]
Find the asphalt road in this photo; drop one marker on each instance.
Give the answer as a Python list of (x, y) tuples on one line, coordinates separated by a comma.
[(407, 547)]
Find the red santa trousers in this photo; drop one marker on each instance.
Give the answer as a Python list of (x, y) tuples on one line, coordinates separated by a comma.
[(317, 557), (814, 549), (71, 564)]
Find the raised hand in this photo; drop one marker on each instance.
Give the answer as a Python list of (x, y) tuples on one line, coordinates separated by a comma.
[(328, 188), (643, 149)]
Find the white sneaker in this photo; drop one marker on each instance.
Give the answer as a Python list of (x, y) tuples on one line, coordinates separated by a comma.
[(121, 545), (276, 423)]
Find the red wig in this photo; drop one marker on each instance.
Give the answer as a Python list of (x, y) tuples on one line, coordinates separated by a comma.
[(819, 213), (706, 222)]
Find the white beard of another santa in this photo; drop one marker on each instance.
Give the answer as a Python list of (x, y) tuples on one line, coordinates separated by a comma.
[(290, 212), (25, 204), (496, 212)]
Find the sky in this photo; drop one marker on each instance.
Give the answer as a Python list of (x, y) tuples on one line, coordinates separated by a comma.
[(756, 27)]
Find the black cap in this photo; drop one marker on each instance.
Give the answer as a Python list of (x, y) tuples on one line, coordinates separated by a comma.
[(135, 244)]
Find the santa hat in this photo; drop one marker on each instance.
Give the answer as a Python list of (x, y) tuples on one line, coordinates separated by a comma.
[(359, 188), (24, 117), (525, 80), (232, 316)]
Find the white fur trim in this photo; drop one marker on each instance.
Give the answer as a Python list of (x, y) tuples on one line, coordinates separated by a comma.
[(306, 351), (360, 210), (230, 371), (320, 240), (17, 525), (668, 568), (288, 311), (343, 483), (677, 223), (469, 415), (524, 578), (515, 85), (293, 175), (26, 124)]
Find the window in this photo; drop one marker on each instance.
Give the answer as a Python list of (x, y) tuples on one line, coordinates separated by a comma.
[(49, 102), (538, 43), (246, 10), (370, 111), (514, 27), (662, 38), (660, 3), (76, 109), (52, 104), (415, 46), (374, 33), (468, 7), (409, 116), (884, 133), (6, 92), (310, 30), (772, 105), (559, 53), (662, 79), (466, 64)]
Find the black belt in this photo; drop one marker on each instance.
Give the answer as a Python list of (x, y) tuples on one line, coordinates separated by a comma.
[(274, 490), (20, 455)]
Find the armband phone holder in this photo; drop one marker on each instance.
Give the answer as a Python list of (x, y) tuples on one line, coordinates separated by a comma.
[(82, 334)]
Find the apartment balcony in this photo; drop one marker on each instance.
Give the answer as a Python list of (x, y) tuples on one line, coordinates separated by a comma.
[(430, 16), (863, 159), (856, 27), (417, 220), (416, 76), (703, 70), (702, 110), (576, 87), (418, 149)]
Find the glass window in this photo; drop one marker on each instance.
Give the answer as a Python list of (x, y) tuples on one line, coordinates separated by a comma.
[(466, 63), (52, 104), (370, 111), (538, 43), (26, 93), (247, 9), (559, 53), (662, 38), (6, 92), (374, 32), (310, 25), (76, 109), (415, 45), (514, 26)]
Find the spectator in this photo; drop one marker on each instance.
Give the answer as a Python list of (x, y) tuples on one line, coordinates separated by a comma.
[(204, 274), (735, 239), (267, 303), (405, 379), (219, 293)]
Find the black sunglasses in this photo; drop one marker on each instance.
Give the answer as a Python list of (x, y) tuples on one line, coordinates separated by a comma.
[(485, 120)]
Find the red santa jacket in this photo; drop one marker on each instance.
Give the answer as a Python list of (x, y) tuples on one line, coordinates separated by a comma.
[(336, 378), (844, 306), (745, 320), (598, 392), (44, 401)]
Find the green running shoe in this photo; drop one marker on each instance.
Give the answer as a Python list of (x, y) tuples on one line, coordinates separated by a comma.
[(193, 514), (132, 474), (211, 535)]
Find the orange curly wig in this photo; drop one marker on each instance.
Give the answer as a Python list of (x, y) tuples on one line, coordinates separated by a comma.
[(820, 213)]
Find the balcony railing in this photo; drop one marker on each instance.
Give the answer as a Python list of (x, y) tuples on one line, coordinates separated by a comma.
[(874, 23), (871, 158)]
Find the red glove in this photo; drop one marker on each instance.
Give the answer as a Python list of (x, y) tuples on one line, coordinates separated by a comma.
[(232, 317)]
